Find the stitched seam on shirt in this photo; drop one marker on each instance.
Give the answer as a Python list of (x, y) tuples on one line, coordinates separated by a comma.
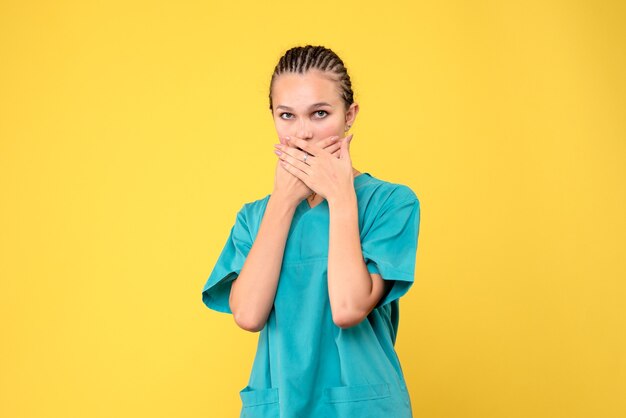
[(388, 266)]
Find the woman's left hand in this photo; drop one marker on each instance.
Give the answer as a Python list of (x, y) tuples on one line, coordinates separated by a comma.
[(325, 174)]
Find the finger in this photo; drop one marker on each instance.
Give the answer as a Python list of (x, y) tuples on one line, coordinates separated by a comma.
[(295, 162), (333, 148), (290, 150), (347, 137), (312, 149), (324, 143), (290, 168), (344, 151)]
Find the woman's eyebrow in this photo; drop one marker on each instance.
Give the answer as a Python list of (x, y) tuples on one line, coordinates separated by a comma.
[(312, 106)]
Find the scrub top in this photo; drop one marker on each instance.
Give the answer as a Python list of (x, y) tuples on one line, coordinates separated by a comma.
[(305, 365)]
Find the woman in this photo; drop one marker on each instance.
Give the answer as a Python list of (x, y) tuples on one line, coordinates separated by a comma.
[(318, 265)]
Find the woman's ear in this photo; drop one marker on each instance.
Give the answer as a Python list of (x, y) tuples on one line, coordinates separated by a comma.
[(353, 110)]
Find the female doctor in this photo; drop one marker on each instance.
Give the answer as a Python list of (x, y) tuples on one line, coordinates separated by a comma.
[(317, 267)]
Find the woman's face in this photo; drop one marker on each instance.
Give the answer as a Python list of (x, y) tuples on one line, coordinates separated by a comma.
[(309, 106)]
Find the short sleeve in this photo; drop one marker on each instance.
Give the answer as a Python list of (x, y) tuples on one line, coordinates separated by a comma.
[(390, 244), (216, 291)]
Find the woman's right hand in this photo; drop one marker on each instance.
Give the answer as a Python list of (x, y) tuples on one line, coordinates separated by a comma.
[(290, 187)]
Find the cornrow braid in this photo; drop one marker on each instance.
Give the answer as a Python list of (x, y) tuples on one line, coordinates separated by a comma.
[(300, 59)]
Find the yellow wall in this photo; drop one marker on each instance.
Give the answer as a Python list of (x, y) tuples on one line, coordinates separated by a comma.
[(131, 133)]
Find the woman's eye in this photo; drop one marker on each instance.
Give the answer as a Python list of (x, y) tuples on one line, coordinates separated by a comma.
[(317, 112)]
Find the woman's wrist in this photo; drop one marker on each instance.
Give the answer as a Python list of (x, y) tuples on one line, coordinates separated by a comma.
[(343, 203), (283, 202)]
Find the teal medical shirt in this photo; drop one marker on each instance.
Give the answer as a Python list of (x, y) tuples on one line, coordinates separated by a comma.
[(305, 365)]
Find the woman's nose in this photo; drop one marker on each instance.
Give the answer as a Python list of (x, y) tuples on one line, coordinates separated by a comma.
[(303, 130)]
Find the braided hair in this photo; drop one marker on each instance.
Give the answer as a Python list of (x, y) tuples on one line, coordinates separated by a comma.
[(300, 59)]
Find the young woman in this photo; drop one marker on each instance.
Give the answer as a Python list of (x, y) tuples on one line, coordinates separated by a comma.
[(318, 266)]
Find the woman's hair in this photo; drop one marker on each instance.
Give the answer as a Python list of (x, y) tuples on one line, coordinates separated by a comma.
[(300, 59)]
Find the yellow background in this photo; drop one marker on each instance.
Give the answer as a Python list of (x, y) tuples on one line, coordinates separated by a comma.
[(132, 132)]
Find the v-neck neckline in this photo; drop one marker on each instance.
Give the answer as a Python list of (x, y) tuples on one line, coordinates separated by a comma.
[(313, 207), (305, 203)]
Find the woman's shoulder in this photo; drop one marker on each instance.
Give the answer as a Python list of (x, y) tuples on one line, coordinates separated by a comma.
[(251, 209), (385, 190)]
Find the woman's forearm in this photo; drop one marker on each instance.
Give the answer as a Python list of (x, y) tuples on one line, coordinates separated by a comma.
[(252, 293), (349, 282)]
